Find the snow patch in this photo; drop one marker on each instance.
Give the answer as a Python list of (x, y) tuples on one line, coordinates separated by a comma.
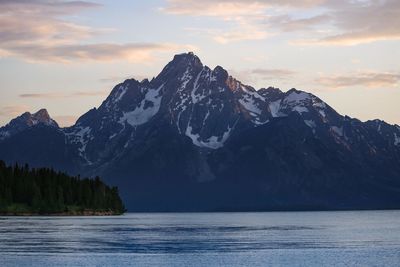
[(213, 78), (300, 109), (4, 135), (249, 102), (120, 93), (185, 79), (197, 98), (337, 130), (396, 140), (214, 142), (310, 123), (206, 117), (297, 97), (321, 105), (296, 101), (81, 136), (179, 117), (249, 105), (112, 136), (142, 114), (274, 108), (258, 122), (252, 93)]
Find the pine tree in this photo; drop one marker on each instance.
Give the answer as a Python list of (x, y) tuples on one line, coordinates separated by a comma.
[(47, 191)]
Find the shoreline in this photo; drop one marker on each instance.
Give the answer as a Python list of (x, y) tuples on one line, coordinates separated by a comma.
[(61, 214)]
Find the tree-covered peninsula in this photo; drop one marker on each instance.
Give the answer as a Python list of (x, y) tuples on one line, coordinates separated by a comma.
[(26, 191)]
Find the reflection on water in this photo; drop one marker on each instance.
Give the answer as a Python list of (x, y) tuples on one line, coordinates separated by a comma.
[(204, 239)]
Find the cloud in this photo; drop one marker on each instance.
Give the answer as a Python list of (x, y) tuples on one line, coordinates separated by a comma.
[(286, 23), (230, 8), (263, 74), (52, 7), (41, 95), (367, 79), (240, 32), (321, 22), (359, 22), (240, 15), (225, 9), (245, 17), (64, 95), (243, 32), (107, 52), (13, 110), (273, 73), (39, 22), (37, 31)]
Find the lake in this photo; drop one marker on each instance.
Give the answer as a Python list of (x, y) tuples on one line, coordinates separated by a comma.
[(351, 238)]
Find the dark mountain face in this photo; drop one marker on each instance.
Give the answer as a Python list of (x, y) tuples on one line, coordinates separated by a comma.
[(25, 121), (194, 138)]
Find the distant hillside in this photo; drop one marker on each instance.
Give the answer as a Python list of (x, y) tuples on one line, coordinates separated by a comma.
[(26, 191)]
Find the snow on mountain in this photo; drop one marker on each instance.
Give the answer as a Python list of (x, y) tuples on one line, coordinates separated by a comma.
[(396, 139), (213, 142), (26, 121), (196, 131), (80, 136), (274, 108), (311, 124), (206, 105), (147, 108), (337, 130), (4, 134)]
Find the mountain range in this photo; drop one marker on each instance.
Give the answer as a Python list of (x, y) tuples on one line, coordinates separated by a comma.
[(197, 139)]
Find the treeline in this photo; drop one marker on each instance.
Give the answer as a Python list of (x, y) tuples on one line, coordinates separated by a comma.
[(45, 191)]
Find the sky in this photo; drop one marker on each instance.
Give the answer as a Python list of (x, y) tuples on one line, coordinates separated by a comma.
[(67, 56)]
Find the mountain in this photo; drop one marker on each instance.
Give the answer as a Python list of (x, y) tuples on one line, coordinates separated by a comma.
[(26, 121), (197, 139)]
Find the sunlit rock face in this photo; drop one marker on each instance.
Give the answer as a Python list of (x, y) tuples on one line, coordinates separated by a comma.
[(195, 138)]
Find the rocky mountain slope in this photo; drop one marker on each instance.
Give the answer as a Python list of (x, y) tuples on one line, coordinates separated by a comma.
[(195, 138)]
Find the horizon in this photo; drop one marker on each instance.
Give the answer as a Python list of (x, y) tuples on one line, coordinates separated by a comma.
[(75, 52)]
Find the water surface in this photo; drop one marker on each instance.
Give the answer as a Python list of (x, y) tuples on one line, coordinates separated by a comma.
[(353, 238)]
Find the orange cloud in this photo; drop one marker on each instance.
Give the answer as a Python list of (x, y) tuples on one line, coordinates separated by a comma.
[(339, 23), (264, 74), (230, 8), (368, 79), (13, 110), (64, 95), (36, 31), (107, 52)]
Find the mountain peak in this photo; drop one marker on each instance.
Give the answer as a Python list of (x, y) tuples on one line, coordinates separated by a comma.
[(220, 71), (187, 58), (201, 130), (27, 120), (42, 115), (294, 90)]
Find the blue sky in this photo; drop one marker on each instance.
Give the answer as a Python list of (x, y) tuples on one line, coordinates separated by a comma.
[(66, 56)]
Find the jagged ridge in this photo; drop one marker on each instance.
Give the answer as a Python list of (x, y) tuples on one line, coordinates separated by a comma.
[(192, 125)]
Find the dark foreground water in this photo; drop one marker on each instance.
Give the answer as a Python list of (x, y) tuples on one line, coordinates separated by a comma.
[(362, 238)]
